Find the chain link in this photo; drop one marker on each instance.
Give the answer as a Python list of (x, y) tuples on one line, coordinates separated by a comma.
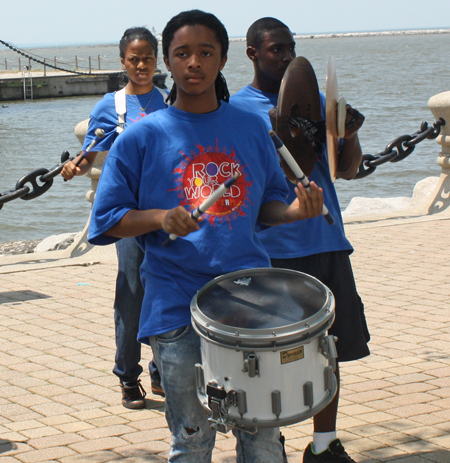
[(399, 148), (35, 183)]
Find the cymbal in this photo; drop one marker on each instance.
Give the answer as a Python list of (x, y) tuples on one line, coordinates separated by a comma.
[(332, 97), (298, 99)]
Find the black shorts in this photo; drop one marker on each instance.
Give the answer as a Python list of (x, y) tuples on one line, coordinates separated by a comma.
[(334, 270)]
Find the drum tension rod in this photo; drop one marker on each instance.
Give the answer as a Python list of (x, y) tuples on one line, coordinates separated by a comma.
[(251, 364)]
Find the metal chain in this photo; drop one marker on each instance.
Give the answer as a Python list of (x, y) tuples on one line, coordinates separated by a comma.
[(395, 151), (34, 189), (399, 148), (56, 67)]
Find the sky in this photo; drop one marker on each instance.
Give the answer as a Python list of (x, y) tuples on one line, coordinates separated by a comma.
[(56, 22)]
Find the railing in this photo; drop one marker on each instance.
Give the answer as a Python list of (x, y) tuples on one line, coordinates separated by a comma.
[(77, 63)]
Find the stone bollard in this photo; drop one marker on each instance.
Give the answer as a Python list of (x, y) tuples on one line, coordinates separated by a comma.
[(431, 195), (81, 244), (440, 107)]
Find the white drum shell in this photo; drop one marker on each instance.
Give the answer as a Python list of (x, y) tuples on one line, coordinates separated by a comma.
[(224, 366)]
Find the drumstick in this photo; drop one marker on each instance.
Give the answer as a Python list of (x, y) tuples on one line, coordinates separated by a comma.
[(100, 133), (287, 156), (196, 213)]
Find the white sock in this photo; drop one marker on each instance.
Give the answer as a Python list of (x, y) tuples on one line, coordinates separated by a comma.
[(321, 440)]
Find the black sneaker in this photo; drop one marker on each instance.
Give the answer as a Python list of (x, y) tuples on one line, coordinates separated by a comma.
[(157, 389), (334, 454), (133, 395)]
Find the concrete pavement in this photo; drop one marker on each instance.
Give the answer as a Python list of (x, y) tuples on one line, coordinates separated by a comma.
[(59, 400)]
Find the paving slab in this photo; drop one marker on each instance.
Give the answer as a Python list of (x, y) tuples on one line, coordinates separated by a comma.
[(59, 400)]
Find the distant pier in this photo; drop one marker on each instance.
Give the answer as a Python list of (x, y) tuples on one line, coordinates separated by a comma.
[(31, 85)]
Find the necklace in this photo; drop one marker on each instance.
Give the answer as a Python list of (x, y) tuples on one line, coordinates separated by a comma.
[(136, 100)]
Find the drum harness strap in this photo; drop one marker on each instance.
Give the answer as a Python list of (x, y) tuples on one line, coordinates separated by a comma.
[(120, 100)]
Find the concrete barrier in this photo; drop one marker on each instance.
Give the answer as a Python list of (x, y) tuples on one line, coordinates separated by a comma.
[(18, 86)]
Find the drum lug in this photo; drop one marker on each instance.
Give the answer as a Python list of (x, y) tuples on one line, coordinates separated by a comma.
[(238, 399), (199, 378), (251, 364), (276, 403), (327, 347), (308, 394), (329, 379)]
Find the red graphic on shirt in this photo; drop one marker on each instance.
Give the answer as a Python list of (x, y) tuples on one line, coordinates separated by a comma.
[(139, 117), (203, 172)]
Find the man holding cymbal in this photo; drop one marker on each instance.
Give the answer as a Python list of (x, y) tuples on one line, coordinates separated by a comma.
[(312, 246)]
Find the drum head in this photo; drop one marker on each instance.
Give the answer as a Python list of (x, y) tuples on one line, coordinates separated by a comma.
[(273, 304)]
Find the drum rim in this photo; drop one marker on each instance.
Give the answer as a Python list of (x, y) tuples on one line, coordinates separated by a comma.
[(263, 345), (265, 337)]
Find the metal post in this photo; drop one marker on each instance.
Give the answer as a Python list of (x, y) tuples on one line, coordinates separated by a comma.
[(99, 62), (54, 61), (29, 64), (6, 64), (45, 67), (76, 62), (89, 65), (20, 67)]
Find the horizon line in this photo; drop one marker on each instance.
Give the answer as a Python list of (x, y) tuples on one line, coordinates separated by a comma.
[(310, 35)]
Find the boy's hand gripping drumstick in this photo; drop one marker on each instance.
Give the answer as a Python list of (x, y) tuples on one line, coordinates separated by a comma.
[(287, 156), (196, 213)]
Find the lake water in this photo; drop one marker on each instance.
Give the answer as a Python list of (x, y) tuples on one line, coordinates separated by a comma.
[(388, 78)]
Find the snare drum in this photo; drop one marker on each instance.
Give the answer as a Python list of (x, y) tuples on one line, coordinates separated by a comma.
[(267, 359)]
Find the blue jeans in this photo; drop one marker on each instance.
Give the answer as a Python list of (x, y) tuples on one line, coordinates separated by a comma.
[(176, 353), (127, 310)]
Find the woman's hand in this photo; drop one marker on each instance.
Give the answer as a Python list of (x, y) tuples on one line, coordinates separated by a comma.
[(70, 170)]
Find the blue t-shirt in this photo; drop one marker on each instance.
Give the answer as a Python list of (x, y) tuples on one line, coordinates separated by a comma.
[(176, 158), (311, 236), (104, 116), (255, 101)]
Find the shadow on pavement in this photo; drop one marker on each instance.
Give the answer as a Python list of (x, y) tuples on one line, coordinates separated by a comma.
[(9, 297), (6, 446)]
